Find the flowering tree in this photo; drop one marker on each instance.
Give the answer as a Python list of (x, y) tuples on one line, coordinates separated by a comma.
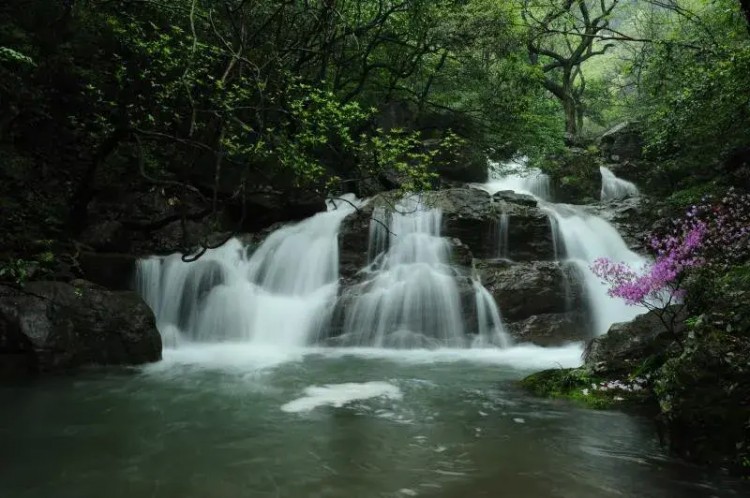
[(712, 233)]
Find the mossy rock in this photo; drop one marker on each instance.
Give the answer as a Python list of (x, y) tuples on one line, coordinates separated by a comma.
[(704, 396)]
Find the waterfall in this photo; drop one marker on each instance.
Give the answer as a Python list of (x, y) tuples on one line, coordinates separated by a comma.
[(413, 298), (578, 237), (614, 188), (503, 245), (586, 238), (516, 176), (280, 295)]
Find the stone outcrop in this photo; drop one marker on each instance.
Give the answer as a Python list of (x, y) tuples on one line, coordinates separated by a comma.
[(469, 215), (54, 326), (541, 302), (553, 329), (622, 142), (627, 345)]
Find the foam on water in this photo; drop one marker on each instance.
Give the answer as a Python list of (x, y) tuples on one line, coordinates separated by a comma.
[(244, 357), (338, 395)]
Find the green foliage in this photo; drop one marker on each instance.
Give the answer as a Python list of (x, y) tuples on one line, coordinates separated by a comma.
[(8, 55), (16, 271)]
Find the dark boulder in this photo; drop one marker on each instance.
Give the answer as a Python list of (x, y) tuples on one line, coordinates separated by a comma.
[(622, 142), (53, 326), (549, 330), (514, 198), (522, 290), (626, 346), (472, 216), (704, 397)]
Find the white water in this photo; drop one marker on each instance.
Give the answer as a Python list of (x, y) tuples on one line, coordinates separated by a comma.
[(516, 176), (338, 395), (578, 236), (503, 244), (413, 297), (614, 188), (280, 296), (586, 238)]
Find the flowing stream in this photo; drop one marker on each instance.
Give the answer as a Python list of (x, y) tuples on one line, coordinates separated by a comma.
[(249, 400)]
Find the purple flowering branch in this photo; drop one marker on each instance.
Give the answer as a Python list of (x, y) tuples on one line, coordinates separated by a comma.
[(714, 233)]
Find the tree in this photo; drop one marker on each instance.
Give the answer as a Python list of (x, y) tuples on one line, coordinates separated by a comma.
[(562, 36)]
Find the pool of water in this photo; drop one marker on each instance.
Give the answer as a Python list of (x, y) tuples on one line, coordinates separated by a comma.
[(234, 421)]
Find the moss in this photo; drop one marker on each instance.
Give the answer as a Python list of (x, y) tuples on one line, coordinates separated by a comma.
[(577, 385)]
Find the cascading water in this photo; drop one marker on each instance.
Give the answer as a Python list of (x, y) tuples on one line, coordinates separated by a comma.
[(516, 176), (614, 188), (586, 238), (281, 295), (503, 244), (413, 297), (578, 236)]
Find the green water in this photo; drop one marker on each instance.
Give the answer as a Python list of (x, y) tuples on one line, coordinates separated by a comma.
[(209, 423)]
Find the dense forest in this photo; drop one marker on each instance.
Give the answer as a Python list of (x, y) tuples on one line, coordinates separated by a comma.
[(140, 127)]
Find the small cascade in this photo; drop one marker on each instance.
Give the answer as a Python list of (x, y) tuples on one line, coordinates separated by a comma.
[(516, 176), (413, 298), (502, 243), (578, 237), (614, 188), (281, 295), (585, 239)]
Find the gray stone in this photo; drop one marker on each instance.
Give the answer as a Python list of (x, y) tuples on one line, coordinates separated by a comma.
[(522, 290), (549, 330), (52, 326), (627, 345)]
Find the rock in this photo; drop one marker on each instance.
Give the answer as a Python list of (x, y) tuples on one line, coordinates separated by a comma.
[(550, 330), (627, 345), (576, 177), (630, 217), (622, 142), (522, 290), (704, 397), (471, 215), (54, 326), (151, 222), (110, 270), (514, 198), (461, 255), (354, 235)]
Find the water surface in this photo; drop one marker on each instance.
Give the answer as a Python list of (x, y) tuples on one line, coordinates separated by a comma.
[(209, 422)]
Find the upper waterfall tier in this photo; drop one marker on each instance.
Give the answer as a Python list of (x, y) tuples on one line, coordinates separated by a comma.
[(580, 236)]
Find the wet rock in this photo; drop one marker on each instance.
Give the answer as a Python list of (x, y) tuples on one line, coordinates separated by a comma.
[(471, 215), (514, 198), (53, 326), (704, 397), (627, 345), (522, 290), (622, 142), (550, 330)]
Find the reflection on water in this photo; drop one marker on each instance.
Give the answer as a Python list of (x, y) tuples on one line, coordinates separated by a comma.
[(188, 428)]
